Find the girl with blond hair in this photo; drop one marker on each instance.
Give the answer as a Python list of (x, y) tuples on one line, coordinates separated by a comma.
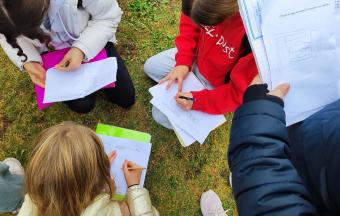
[(68, 174)]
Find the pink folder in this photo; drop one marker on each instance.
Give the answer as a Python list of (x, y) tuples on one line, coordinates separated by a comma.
[(50, 60)]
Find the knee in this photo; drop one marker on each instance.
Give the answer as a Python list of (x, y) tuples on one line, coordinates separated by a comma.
[(81, 106), (125, 101), (150, 67), (128, 102)]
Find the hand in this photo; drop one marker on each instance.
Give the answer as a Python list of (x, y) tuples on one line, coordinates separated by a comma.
[(72, 60), (113, 156), (36, 72), (280, 91), (184, 103), (179, 73), (132, 173)]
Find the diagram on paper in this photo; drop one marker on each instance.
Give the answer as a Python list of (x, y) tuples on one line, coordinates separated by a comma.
[(297, 46)]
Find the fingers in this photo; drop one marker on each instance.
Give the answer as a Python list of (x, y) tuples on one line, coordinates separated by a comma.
[(113, 156), (70, 65), (164, 79), (257, 80), (280, 91), (185, 104), (171, 82), (38, 75), (63, 63), (40, 83), (180, 84)]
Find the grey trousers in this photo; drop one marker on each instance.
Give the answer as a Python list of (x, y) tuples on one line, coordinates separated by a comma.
[(159, 66)]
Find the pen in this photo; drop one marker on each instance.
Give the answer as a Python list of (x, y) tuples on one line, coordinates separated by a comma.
[(187, 98)]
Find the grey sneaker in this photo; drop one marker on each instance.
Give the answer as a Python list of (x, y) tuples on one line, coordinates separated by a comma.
[(211, 204), (15, 166)]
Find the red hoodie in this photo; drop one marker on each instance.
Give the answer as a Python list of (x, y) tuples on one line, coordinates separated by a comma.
[(219, 53)]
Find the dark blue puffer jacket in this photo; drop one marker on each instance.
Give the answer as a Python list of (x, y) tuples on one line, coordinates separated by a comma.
[(264, 180), (316, 154)]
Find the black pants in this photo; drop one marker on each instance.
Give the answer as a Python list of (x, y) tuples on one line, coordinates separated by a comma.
[(123, 94)]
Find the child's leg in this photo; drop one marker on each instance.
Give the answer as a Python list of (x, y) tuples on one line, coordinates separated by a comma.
[(157, 67), (160, 65), (124, 93), (82, 105)]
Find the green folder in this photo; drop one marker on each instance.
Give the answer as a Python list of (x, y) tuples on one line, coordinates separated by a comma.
[(113, 131), (119, 132)]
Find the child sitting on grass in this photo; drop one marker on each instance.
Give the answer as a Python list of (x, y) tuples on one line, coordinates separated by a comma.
[(69, 174), (212, 43)]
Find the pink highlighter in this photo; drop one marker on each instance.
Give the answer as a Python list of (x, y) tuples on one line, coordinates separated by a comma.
[(49, 61)]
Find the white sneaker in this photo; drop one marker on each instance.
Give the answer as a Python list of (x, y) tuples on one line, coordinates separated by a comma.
[(15, 166), (211, 204)]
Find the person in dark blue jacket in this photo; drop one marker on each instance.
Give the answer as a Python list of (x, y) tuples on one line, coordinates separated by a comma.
[(265, 181)]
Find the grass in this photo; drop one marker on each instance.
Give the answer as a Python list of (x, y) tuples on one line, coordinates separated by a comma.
[(177, 175)]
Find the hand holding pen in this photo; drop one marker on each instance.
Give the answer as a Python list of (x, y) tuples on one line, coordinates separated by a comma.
[(185, 100)]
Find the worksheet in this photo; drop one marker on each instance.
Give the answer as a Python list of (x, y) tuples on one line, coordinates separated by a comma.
[(89, 78), (197, 124), (301, 46), (135, 151), (250, 11)]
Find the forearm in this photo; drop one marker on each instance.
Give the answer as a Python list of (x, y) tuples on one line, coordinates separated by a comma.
[(264, 180), (105, 18), (139, 202)]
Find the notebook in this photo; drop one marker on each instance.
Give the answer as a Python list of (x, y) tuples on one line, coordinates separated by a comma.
[(132, 145)]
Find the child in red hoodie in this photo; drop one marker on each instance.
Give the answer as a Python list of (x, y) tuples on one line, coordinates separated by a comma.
[(212, 43)]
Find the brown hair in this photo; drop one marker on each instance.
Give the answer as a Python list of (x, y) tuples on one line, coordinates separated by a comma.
[(67, 170), (209, 12), (23, 17)]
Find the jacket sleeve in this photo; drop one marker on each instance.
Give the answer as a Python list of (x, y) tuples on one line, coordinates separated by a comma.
[(28, 48), (101, 28), (264, 180), (228, 97), (187, 41), (139, 202)]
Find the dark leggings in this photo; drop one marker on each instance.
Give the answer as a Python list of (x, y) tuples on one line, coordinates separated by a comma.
[(123, 94)]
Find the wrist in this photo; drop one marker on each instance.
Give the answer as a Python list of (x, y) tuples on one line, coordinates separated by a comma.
[(133, 185), (260, 92)]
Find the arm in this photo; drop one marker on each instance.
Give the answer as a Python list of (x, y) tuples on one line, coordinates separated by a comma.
[(228, 97), (264, 179), (186, 41), (105, 17), (28, 48), (139, 202)]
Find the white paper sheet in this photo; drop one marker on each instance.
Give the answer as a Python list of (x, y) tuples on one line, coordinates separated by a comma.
[(137, 152), (250, 11), (89, 78), (300, 41), (196, 124)]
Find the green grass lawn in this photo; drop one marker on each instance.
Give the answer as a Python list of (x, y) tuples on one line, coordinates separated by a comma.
[(177, 176)]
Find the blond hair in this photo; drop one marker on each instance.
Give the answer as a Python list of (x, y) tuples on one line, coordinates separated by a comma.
[(67, 170), (209, 12)]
